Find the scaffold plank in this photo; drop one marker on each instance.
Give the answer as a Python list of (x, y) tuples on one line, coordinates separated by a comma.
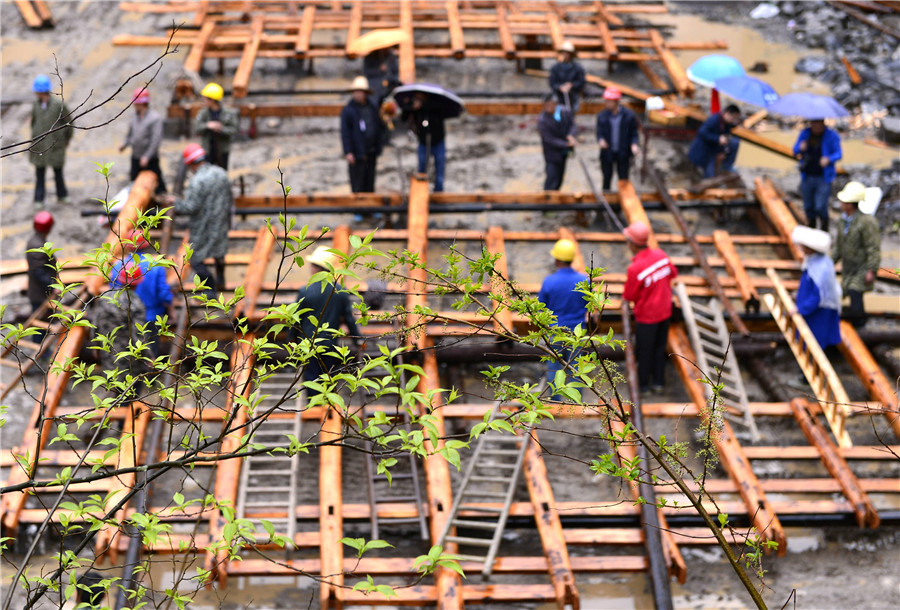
[(331, 524), (863, 363)]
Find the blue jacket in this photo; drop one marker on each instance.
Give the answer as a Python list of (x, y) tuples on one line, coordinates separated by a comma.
[(706, 145), (354, 129), (559, 295), (831, 148), (628, 129), (824, 323), (153, 290)]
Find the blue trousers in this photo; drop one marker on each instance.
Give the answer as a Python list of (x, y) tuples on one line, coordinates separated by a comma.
[(727, 164), (439, 152), (815, 191)]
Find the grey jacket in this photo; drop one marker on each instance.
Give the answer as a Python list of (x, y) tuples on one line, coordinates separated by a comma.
[(208, 200), (145, 134)]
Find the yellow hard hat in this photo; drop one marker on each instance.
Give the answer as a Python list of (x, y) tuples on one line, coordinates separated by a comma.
[(213, 91), (564, 250), (854, 192)]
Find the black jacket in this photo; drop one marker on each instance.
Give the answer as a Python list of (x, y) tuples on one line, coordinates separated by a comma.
[(356, 122), (553, 134), (628, 129), (567, 72), (424, 122)]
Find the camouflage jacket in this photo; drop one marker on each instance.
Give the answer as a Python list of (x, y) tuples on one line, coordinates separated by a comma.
[(859, 249), (50, 151), (117, 311), (208, 200)]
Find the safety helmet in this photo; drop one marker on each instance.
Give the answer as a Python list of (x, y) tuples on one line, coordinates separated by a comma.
[(43, 222), (567, 47), (193, 153), (41, 84), (213, 91), (141, 96), (854, 192), (564, 250), (638, 233), (612, 93), (130, 275)]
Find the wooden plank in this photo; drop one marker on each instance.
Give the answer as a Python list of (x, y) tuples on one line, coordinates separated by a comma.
[(356, 12), (407, 50), (29, 14), (241, 80), (863, 452), (417, 244), (301, 48), (503, 321), (634, 209), (331, 524), (256, 270), (778, 213), (731, 454), (546, 517), (194, 61), (506, 39), (44, 13), (869, 372), (607, 16), (457, 39), (725, 247), (866, 515), (556, 35), (609, 45), (676, 71)]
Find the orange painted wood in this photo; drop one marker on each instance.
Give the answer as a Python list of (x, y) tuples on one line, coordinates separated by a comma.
[(304, 33), (331, 524), (870, 373), (778, 213), (29, 14), (725, 247), (407, 59), (194, 60), (356, 11), (634, 209), (676, 71), (503, 322), (506, 39), (256, 270), (417, 243), (457, 39), (241, 80)]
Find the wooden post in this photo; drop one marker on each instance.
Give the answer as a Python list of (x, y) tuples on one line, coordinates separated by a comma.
[(353, 29), (331, 523), (457, 39), (301, 47), (506, 39), (417, 244), (241, 79), (407, 61), (256, 270), (503, 322)]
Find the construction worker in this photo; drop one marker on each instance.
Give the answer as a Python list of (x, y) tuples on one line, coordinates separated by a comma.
[(208, 200), (51, 132), (567, 78), (427, 122), (382, 70), (116, 315), (858, 246), (559, 293), (817, 149), (617, 134), (217, 125), (648, 285), (329, 307), (41, 266), (714, 149), (557, 129), (144, 136), (153, 290), (361, 136), (819, 294)]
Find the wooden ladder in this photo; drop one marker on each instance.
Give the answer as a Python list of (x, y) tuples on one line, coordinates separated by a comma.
[(826, 386), (715, 357), (491, 476)]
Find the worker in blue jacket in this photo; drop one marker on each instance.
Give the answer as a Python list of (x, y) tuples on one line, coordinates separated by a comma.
[(715, 148), (817, 149)]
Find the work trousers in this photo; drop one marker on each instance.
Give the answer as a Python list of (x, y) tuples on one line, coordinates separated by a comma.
[(621, 161), (727, 164), (555, 171), (815, 191), (650, 349), (362, 174), (856, 313), (214, 283), (153, 166), (40, 188), (439, 152)]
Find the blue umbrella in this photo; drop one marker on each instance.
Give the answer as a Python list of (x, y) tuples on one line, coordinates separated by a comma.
[(748, 90), (808, 106), (709, 68)]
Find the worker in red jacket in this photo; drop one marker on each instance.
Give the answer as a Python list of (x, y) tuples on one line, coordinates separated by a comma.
[(649, 286)]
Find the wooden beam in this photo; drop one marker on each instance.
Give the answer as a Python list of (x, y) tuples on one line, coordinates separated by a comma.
[(457, 39), (869, 372), (356, 11), (676, 71), (546, 517), (301, 48), (29, 14), (866, 515), (331, 523), (417, 244), (725, 247), (503, 322), (506, 39), (44, 13), (634, 209), (242, 75), (777, 212), (607, 16), (256, 271), (407, 60), (194, 61), (731, 454)]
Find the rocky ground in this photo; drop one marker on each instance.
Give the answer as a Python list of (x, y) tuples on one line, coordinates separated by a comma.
[(839, 568)]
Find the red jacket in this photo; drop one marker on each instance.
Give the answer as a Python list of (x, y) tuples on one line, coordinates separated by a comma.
[(649, 285)]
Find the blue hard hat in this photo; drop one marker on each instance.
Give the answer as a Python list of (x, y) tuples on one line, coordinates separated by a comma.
[(41, 84)]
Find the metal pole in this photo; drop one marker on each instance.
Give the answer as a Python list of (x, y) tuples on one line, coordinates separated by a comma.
[(689, 235), (659, 572)]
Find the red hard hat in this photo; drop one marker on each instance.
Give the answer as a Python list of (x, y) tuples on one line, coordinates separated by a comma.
[(638, 232), (141, 96), (130, 275), (43, 222), (612, 93), (193, 153), (135, 241)]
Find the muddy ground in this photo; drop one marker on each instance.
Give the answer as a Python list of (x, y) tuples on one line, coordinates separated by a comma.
[(829, 567)]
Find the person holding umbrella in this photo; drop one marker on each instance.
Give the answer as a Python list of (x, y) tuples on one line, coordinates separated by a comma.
[(426, 120), (361, 136), (714, 149), (617, 134), (817, 149)]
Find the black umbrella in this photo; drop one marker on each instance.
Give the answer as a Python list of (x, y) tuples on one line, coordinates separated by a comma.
[(450, 105)]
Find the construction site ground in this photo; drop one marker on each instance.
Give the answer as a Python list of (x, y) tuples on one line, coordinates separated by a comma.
[(828, 566)]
